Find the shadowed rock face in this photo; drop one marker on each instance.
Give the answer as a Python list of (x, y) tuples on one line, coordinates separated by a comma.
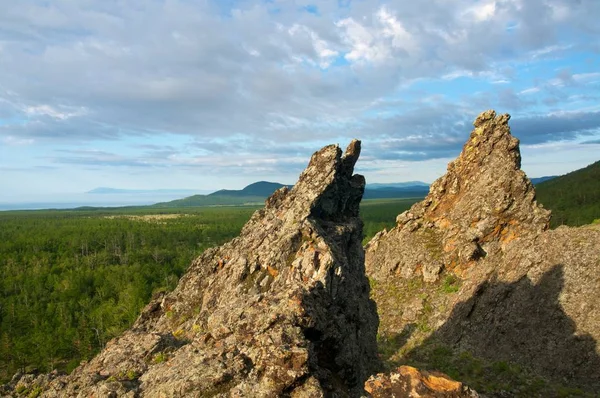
[(476, 209), (521, 293), (282, 310)]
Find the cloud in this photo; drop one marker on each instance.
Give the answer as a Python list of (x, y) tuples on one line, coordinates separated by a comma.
[(254, 83), (558, 126), (591, 142)]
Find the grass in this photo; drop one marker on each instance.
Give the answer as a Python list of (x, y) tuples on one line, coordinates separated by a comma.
[(486, 377)]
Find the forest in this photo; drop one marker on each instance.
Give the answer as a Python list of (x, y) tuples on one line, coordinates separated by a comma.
[(574, 198), (74, 279)]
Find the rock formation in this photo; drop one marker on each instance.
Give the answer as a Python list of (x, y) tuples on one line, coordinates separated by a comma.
[(282, 310), (410, 382), (476, 209), (474, 266)]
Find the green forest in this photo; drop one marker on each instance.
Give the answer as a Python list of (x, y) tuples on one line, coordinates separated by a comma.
[(72, 280), (573, 198)]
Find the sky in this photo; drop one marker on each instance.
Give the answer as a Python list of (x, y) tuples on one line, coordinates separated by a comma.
[(211, 94)]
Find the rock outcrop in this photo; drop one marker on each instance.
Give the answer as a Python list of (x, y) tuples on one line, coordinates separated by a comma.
[(282, 310), (474, 267), (476, 209)]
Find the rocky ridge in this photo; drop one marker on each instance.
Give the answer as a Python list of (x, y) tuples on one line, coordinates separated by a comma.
[(474, 267), (282, 310)]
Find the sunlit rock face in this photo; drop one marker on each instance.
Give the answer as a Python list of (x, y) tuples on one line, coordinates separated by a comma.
[(483, 203)]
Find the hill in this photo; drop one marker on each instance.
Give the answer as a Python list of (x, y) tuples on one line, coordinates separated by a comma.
[(261, 189), (406, 185), (535, 181), (258, 192), (574, 198), (396, 192)]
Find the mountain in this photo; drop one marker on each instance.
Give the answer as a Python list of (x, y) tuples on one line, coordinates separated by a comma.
[(396, 192), (113, 191), (253, 194), (257, 192), (472, 281), (212, 200), (408, 185), (539, 180), (262, 189), (574, 198)]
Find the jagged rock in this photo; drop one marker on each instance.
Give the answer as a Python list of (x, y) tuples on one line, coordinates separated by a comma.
[(510, 290), (477, 208), (410, 382), (282, 310)]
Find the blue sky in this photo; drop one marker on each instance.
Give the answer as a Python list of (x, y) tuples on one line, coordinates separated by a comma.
[(218, 94)]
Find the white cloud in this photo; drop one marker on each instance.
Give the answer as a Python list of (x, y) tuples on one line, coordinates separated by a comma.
[(54, 112), (74, 72), (482, 12), (15, 141), (323, 51), (384, 38)]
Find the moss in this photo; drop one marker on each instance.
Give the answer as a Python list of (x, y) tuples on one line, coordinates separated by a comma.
[(432, 242), (159, 358), (179, 334), (123, 375), (373, 283), (197, 328), (290, 259), (450, 284), (35, 392), (251, 280), (219, 389), (132, 375)]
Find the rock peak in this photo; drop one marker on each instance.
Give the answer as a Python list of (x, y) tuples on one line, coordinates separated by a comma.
[(482, 203), (281, 310), (326, 189)]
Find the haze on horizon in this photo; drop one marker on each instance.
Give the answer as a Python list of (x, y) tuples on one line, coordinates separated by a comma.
[(206, 95)]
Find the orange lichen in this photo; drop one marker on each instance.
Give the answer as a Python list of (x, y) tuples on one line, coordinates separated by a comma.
[(434, 381), (272, 271)]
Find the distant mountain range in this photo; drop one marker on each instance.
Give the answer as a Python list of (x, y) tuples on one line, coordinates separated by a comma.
[(408, 185), (257, 192), (261, 189), (539, 180), (118, 191)]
